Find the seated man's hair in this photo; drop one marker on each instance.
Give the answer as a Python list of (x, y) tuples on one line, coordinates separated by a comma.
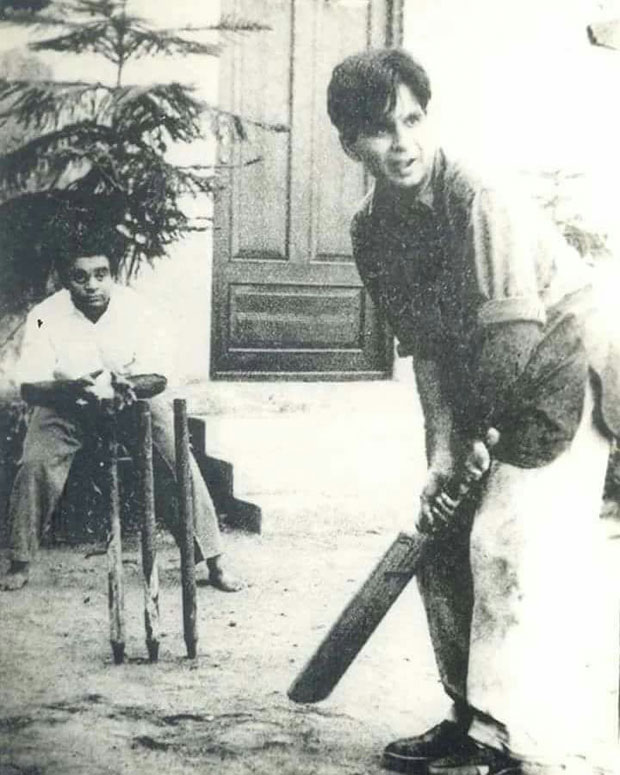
[(79, 242), (363, 89)]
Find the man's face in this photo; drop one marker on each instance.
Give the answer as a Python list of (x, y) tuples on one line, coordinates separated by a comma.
[(399, 150), (90, 281)]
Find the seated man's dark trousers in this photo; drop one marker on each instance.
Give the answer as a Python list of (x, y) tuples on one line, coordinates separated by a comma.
[(51, 443)]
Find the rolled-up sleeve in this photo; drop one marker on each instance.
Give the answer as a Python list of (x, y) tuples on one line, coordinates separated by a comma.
[(505, 255)]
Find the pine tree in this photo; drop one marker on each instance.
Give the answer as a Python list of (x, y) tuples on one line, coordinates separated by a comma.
[(94, 154)]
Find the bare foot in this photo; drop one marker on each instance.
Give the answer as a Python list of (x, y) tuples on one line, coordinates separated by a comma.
[(225, 582), (220, 578), (15, 578)]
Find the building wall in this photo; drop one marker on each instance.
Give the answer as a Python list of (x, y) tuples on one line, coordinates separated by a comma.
[(516, 84)]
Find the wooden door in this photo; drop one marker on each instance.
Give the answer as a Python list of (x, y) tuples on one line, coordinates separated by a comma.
[(287, 298)]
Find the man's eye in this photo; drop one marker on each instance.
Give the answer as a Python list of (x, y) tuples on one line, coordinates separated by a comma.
[(102, 274), (80, 278), (412, 119)]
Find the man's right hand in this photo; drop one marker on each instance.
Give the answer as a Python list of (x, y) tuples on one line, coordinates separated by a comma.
[(62, 394), (436, 506)]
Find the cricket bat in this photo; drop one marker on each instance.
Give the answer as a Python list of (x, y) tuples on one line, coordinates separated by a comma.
[(359, 619), (368, 606)]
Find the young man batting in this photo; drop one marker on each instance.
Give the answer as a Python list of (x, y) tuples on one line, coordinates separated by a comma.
[(499, 315)]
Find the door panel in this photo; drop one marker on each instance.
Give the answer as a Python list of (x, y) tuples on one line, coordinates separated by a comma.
[(256, 73), (295, 317), (288, 301)]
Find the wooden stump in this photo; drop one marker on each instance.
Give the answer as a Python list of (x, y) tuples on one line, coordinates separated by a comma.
[(184, 489), (145, 497), (116, 603)]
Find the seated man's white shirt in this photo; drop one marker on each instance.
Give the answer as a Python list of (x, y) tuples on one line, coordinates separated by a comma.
[(60, 342)]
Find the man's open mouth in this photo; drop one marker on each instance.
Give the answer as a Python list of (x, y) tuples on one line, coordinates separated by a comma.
[(401, 167)]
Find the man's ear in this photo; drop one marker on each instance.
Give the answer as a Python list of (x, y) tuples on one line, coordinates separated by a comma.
[(347, 147)]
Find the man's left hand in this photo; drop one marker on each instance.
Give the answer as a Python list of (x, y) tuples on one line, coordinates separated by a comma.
[(96, 386), (102, 385), (124, 393), (475, 458)]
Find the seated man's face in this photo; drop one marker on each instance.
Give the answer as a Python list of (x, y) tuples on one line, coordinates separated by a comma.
[(90, 281), (399, 149)]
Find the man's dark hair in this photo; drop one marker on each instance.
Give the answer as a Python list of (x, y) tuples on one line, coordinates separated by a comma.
[(363, 88), (65, 260), (82, 241), (78, 227)]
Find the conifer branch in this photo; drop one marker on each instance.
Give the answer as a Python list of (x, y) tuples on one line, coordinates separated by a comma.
[(92, 155)]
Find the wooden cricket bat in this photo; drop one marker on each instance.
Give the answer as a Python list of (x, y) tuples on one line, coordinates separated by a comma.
[(359, 619), (366, 609)]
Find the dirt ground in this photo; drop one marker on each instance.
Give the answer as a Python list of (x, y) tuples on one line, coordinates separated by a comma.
[(66, 708), (331, 467), (335, 477)]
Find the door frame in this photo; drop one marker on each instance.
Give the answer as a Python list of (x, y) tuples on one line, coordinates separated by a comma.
[(394, 13)]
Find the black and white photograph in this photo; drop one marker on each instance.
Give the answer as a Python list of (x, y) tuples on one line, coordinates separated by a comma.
[(309, 387)]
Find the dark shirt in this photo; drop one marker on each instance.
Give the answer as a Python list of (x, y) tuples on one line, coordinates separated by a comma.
[(462, 256)]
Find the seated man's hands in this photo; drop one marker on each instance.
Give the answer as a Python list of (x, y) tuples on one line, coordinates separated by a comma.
[(447, 483), (124, 392), (102, 385), (86, 393), (95, 387)]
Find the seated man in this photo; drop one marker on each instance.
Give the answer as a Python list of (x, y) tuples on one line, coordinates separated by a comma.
[(83, 342)]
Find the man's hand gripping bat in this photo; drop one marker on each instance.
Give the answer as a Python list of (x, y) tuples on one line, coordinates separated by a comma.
[(367, 608)]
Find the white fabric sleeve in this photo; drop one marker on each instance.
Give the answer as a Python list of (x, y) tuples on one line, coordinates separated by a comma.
[(37, 360)]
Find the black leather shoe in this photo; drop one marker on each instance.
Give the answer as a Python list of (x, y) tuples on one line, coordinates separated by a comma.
[(483, 761), (413, 755)]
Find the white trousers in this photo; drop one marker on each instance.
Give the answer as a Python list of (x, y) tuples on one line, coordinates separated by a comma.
[(539, 665)]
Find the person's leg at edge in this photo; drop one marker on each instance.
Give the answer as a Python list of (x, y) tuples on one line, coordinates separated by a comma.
[(210, 562), (49, 448), (445, 585), (542, 618)]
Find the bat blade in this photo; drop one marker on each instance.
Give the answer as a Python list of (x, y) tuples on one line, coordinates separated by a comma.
[(375, 598), (359, 620)]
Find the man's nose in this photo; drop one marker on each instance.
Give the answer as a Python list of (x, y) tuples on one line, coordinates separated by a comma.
[(399, 137), (91, 284)]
